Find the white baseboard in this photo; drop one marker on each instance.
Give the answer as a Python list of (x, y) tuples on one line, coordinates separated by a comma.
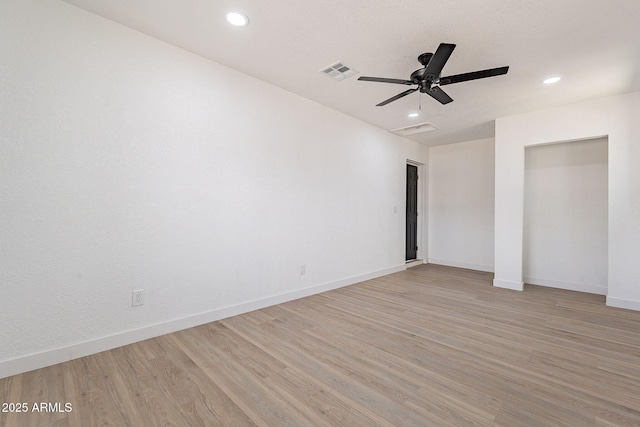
[(450, 263), (623, 303), (580, 287), (414, 263), (507, 284), (75, 351)]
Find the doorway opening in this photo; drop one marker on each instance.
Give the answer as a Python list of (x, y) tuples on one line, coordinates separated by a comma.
[(565, 233)]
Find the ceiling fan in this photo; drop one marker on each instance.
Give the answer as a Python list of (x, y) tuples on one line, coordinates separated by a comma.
[(428, 78)]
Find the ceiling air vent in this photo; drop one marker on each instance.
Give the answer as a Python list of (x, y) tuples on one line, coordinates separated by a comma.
[(338, 71), (411, 130)]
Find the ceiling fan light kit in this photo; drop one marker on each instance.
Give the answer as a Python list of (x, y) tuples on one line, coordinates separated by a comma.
[(429, 80)]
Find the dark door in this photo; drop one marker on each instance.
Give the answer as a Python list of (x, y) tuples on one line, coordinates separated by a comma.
[(412, 213)]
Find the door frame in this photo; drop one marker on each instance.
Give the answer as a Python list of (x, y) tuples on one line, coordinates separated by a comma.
[(421, 236)]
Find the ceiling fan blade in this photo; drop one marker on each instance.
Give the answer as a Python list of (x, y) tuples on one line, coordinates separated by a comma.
[(439, 95), (398, 96), (439, 58), (385, 80), (473, 75)]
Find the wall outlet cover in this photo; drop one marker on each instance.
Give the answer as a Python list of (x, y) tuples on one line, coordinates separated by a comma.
[(137, 298)]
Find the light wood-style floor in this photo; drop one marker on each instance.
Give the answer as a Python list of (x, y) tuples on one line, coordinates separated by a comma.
[(430, 346)]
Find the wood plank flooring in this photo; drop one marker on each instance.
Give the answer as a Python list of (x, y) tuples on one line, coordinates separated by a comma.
[(430, 346)]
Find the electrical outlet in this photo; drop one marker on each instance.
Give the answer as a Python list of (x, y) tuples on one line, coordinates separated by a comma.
[(138, 298)]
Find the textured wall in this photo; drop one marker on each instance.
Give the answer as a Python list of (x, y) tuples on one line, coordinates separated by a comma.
[(461, 204), (614, 117), (126, 163)]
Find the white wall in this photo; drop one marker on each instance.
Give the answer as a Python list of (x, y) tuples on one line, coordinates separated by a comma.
[(126, 163), (565, 216), (614, 117), (461, 204)]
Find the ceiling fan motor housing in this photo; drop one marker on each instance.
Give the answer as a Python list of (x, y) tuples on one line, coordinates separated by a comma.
[(420, 78), (416, 76)]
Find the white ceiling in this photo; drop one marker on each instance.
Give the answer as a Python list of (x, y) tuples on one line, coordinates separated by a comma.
[(593, 44)]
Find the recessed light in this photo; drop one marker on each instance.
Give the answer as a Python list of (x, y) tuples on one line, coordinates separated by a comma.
[(237, 19), (413, 115), (551, 80)]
